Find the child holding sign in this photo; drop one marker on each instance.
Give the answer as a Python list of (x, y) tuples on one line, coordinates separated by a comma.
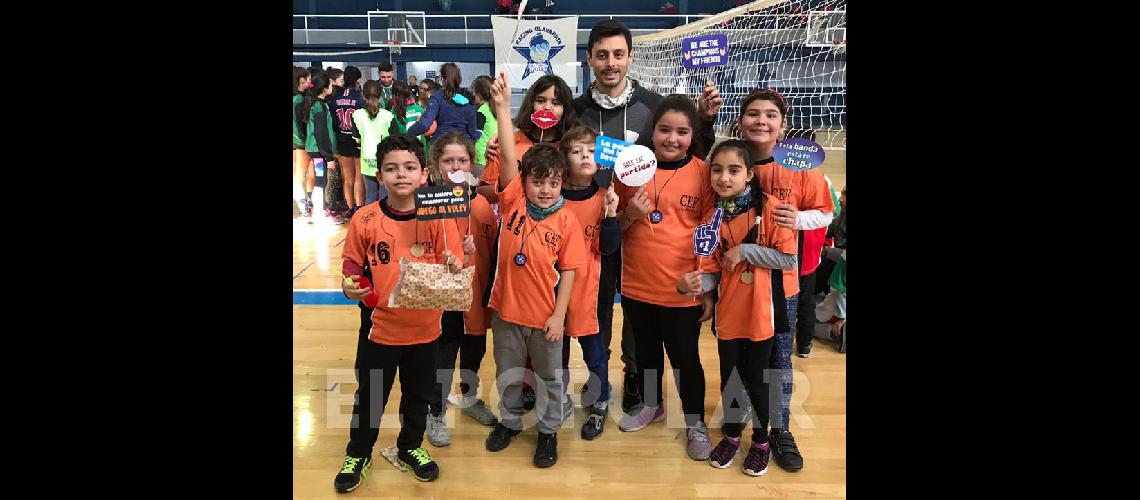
[(380, 235), (750, 297), (452, 157), (657, 225), (804, 204), (548, 94), (540, 248), (596, 209)]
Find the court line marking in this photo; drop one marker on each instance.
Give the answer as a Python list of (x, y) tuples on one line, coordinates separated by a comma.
[(314, 261)]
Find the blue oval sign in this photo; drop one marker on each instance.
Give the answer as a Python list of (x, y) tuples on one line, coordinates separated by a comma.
[(798, 154)]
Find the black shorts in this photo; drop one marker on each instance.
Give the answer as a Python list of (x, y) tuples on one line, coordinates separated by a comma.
[(350, 149)]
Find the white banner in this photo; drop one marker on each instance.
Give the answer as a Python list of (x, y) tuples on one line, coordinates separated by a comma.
[(542, 47)]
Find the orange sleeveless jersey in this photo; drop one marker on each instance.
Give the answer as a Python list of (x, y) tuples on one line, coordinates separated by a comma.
[(803, 189), (524, 295), (486, 228), (744, 311), (381, 239), (653, 259), (582, 314)]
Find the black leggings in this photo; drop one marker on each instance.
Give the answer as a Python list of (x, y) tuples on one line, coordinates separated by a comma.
[(742, 366), (677, 329), (471, 349)]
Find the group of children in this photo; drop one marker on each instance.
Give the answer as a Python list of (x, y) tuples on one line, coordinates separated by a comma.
[(540, 224)]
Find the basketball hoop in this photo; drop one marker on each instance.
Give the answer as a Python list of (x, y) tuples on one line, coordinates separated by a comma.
[(394, 45)]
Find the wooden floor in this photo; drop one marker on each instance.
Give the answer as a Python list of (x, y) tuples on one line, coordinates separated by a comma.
[(650, 463)]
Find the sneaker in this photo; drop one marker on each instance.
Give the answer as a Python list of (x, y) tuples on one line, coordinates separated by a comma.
[(528, 397), (437, 432), (546, 453), (567, 407), (308, 207), (784, 449), (350, 473), (641, 417), (595, 424), (479, 411), (756, 463), (803, 351), (500, 437), (421, 464), (699, 446), (631, 392), (724, 452)]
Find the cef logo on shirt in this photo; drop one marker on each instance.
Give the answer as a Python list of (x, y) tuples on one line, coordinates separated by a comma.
[(690, 202), (552, 240)]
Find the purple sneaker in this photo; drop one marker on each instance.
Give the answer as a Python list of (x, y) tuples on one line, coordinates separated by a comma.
[(756, 463), (724, 452), (641, 417)]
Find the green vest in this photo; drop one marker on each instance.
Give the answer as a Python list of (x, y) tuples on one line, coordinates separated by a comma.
[(311, 139), (298, 142), (490, 128), (372, 131)]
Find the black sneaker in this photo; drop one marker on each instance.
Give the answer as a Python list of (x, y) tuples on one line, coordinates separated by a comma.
[(595, 424), (631, 392), (546, 454), (421, 464), (350, 473), (784, 450), (528, 397), (802, 350), (500, 437)]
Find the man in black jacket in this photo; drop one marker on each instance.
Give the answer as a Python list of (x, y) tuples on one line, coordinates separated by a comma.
[(618, 107)]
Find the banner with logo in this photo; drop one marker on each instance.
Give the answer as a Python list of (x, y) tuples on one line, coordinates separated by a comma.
[(538, 48)]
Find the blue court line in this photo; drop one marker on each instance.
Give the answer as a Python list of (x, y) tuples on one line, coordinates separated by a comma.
[(332, 297)]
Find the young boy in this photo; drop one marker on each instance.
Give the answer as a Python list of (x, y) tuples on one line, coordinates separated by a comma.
[(596, 209), (540, 248), (403, 340)]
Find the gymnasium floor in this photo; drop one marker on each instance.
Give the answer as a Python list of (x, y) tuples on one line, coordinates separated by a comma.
[(650, 463)]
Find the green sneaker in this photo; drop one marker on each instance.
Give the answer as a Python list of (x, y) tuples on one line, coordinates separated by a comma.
[(423, 467), (350, 473)]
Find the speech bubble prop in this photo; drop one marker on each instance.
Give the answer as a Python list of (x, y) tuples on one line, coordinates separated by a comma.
[(635, 165)]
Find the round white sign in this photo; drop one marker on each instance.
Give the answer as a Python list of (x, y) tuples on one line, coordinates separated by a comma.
[(635, 165)]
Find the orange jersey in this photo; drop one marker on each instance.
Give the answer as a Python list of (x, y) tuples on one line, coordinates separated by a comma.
[(485, 230), (745, 311), (491, 170), (525, 295), (803, 189), (582, 314), (379, 237), (653, 259)]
